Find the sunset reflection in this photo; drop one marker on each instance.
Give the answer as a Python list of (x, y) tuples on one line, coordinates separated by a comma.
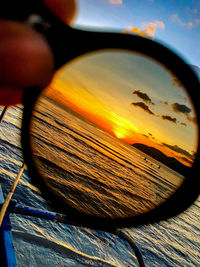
[(131, 97), (114, 135)]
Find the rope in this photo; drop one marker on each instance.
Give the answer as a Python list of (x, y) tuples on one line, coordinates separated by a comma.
[(10, 194), (14, 185), (128, 239)]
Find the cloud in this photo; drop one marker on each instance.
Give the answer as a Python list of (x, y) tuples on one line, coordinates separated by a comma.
[(175, 18), (184, 124), (143, 96), (192, 119), (150, 135), (135, 30), (151, 27), (148, 29), (169, 118), (164, 103), (115, 2), (178, 150), (179, 108), (142, 106)]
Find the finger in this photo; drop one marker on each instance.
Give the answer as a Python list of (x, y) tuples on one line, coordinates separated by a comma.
[(26, 59), (10, 96), (64, 9)]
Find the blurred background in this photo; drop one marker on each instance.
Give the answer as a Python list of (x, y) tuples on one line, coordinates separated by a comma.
[(176, 23)]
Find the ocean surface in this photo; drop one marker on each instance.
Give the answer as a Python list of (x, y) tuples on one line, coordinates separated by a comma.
[(38, 242), (91, 169)]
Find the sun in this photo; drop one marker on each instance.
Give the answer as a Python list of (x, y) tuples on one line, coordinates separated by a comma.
[(122, 128), (119, 135), (120, 132)]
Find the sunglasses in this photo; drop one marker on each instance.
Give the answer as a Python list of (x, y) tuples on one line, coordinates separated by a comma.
[(113, 141)]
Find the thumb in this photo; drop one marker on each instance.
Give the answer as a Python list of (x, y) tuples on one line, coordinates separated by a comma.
[(26, 59)]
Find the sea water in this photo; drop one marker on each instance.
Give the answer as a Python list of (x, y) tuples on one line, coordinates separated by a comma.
[(39, 242), (93, 170)]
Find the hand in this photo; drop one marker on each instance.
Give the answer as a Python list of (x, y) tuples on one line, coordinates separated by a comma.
[(25, 57)]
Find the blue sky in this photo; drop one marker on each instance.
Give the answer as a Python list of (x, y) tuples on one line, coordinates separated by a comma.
[(174, 22)]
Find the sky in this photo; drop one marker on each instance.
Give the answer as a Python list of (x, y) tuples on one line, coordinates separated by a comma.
[(176, 23), (126, 94), (133, 98)]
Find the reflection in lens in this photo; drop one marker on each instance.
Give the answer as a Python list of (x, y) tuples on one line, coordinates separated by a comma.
[(114, 134)]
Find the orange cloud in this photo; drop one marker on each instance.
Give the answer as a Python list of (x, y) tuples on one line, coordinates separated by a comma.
[(148, 29), (116, 2)]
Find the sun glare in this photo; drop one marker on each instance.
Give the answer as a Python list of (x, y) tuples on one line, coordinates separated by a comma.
[(122, 128), (119, 134)]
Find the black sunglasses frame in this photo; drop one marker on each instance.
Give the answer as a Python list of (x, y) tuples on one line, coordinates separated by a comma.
[(67, 44)]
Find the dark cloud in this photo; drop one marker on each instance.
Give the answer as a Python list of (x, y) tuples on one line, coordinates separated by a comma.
[(179, 150), (179, 108), (169, 118), (151, 136), (143, 96), (142, 106), (184, 124), (164, 103)]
